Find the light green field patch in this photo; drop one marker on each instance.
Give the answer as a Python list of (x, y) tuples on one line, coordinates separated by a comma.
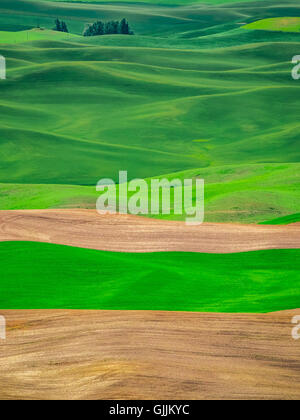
[(34, 35), (284, 24)]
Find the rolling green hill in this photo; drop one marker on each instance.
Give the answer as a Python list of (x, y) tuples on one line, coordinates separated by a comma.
[(261, 281), (74, 113), (191, 89)]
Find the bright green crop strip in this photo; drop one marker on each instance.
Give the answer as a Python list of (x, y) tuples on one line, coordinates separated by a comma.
[(45, 276)]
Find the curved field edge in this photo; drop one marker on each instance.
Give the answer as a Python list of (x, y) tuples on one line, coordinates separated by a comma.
[(46, 276)]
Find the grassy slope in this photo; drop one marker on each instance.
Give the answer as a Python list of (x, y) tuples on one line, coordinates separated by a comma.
[(241, 193), (247, 282), (285, 24), (164, 101), (246, 194)]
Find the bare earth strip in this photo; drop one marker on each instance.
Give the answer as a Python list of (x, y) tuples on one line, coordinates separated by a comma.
[(126, 233), (148, 355)]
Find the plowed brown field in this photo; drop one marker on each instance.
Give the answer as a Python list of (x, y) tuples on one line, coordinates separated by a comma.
[(148, 355), (126, 233)]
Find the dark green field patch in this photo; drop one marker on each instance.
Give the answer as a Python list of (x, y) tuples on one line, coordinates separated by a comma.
[(285, 220)]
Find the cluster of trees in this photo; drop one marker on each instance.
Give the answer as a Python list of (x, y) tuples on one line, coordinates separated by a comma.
[(108, 28), (99, 28), (60, 26)]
